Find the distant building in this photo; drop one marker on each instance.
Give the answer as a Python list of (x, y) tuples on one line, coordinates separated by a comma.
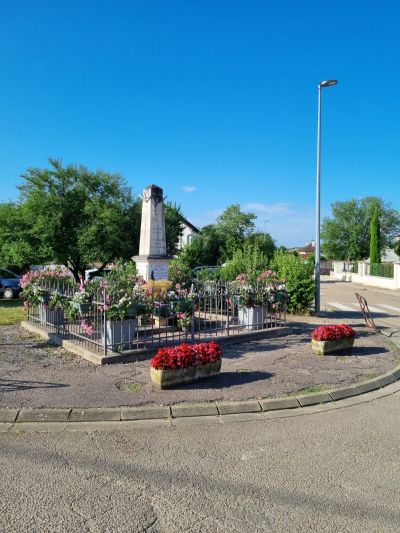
[(189, 233), (305, 251), (389, 255)]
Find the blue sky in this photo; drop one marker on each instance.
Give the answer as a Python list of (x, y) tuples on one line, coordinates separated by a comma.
[(214, 101)]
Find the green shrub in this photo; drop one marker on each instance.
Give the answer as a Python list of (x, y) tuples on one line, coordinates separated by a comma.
[(299, 280), (384, 270), (180, 272), (250, 261)]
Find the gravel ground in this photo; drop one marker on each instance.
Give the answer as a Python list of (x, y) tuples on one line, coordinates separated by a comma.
[(35, 374)]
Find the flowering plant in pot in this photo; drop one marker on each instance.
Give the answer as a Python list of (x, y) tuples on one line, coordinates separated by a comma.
[(256, 294), (80, 303), (185, 363), (331, 338), (51, 308), (184, 321)]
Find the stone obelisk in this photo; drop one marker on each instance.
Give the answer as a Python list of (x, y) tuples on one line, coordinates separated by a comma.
[(152, 261)]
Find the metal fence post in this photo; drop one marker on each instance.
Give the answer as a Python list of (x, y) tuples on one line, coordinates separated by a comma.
[(105, 320), (228, 301)]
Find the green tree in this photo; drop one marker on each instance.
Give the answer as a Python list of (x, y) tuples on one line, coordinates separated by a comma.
[(346, 235), (396, 248), (264, 241), (234, 226), (173, 227), (374, 247), (18, 245), (75, 217), (78, 216), (204, 250)]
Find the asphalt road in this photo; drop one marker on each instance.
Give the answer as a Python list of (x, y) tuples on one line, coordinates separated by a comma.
[(330, 471), (384, 304)]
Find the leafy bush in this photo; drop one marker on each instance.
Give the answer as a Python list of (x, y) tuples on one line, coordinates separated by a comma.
[(383, 270), (180, 273), (158, 289), (250, 261), (298, 275)]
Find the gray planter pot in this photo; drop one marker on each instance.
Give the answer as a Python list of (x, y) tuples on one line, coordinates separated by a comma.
[(83, 309), (170, 377), (253, 317), (120, 333), (53, 317), (325, 347)]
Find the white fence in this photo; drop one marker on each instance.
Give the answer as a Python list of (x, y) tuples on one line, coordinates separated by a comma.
[(359, 273)]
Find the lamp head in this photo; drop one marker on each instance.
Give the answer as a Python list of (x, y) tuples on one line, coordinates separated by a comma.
[(327, 83)]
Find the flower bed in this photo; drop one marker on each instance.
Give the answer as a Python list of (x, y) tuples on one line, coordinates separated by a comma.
[(328, 339), (185, 363)]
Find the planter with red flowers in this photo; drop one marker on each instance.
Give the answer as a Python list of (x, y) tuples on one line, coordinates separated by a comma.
[(185, 363), (329, 339)]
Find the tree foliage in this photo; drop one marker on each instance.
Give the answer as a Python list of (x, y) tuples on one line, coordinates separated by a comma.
[(298, 275), (173, 227), (264, 241), (250, 260), (374, 246), (346, 235), (234, 226), (75, 217), (396, 248), (18, 245)]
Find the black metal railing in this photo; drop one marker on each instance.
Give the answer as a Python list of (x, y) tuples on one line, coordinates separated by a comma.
[(211, 309)]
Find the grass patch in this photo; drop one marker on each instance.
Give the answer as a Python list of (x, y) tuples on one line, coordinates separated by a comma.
[(308, 390), (243, 370), (11, 312), (134, 387)]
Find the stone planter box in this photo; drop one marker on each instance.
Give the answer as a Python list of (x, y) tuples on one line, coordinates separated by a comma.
[(160, 321), (253, 317), (54, 317), (171, 377), (120, 333), (325, 347)]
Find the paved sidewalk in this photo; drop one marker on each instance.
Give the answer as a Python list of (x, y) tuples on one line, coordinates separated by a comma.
[(34, 374)]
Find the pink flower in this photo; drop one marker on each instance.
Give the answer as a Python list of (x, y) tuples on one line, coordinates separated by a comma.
[(87, 327)]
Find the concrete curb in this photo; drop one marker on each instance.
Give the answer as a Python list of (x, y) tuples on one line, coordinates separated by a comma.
[(212, 410), (204, 409)]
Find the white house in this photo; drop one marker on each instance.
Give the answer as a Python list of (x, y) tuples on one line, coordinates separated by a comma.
[(189, 233)]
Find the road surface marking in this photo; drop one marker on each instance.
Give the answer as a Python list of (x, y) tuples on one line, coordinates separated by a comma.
[(391, 307), (372, 308), (340, 306)]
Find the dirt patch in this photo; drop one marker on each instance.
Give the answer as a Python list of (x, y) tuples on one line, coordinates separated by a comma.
[(36, 374)]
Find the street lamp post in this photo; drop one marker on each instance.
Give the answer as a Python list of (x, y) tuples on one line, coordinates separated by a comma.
[(321, 85)]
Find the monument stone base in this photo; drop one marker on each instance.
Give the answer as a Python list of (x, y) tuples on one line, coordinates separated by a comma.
[(152, 267)]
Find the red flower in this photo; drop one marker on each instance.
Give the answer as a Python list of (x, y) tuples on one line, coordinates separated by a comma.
[(333, 333), (186, 355)]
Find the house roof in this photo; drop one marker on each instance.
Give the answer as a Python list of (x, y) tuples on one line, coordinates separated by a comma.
[(190, 225)]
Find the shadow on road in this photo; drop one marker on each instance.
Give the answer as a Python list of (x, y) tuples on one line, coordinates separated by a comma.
[(9, 385), (226, 380)]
